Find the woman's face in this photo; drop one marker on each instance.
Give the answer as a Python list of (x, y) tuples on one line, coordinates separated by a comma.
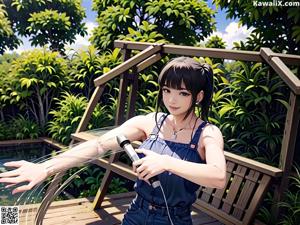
[(177, 101)]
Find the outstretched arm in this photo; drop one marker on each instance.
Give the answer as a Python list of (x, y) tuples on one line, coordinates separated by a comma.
[(84, 152)]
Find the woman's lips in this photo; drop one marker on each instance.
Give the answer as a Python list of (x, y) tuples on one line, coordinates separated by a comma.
[(173, 108)]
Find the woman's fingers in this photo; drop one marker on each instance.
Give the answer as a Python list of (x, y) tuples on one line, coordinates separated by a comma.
[(12, 173), (12, 180), (15, 163), (10, 185), (137, 163), (22, 188)]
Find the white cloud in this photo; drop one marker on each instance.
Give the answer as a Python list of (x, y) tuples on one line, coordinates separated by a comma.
[(233, 33)]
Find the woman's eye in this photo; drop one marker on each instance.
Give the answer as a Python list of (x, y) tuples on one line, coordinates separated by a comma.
[(165, 90), (185, 94)]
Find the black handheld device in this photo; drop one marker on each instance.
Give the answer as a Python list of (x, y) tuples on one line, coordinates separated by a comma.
[(126, 145)]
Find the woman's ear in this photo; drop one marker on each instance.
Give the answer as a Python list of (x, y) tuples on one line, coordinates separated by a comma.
[(200, 96)]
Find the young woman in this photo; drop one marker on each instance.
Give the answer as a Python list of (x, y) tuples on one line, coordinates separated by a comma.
[(183, 150)]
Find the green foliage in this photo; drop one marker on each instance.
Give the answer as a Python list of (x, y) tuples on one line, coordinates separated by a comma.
[(88, 182), (116, 186), (34, 80), (67, 117), (148, 91), (278, 27), (216, 42), (69, 112), (171, 19), (19, 128), (5, 65), (249, 108), (53, 22), (145, 33), (8, 38), (291, 203), (87, 66), (253, 43)]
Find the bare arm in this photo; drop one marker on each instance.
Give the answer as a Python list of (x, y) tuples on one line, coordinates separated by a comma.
[(211, 174), (33, 173), (97, 147)]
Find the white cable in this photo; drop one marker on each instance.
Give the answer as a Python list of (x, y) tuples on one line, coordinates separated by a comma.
[(162, 190)]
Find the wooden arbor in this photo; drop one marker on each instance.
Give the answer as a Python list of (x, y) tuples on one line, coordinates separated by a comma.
[(247, 180)]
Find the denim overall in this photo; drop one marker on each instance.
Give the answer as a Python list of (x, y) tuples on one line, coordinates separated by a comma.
[(148, 207)]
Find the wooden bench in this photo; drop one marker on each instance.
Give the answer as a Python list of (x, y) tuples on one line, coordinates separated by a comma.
[(246, 184)]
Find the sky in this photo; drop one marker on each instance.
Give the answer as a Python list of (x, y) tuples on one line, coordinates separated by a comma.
[(227, 29)]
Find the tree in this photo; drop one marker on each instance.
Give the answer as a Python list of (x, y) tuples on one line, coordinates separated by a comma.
[(53, 22), (35, 79), (177, 21), (277, 27), (8, 39), (216, 42)]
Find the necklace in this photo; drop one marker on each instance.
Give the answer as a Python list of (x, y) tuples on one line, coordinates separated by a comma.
[(175, 132), (174, 135)]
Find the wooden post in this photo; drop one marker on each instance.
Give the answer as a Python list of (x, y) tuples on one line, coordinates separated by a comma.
[(119, 120), (287, 148)]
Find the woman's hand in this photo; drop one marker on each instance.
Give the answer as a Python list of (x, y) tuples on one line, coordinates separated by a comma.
[(149, 166), (25, 172)]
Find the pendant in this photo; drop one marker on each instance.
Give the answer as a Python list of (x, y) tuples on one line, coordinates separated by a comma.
[(174, 135)]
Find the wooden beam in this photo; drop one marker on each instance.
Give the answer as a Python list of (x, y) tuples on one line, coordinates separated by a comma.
[(121, 100), (103, 189), (132, 95), (281, 69), (210, 52), (90, 108), (250, 163), (128, 64), (148, 62)]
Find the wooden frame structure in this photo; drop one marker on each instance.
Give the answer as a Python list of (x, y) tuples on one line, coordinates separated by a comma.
[(247, 180)]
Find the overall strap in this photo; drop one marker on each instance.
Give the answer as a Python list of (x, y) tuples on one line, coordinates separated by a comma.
[(157, 126), (196, 137)]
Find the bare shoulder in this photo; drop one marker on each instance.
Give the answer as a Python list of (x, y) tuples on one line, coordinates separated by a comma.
[(211, 134), (211, 130), (144, 123)]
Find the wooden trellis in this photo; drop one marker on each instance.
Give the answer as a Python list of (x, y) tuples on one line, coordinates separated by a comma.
[(247, 180)]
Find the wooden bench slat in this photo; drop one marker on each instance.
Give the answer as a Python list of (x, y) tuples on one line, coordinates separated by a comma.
[(219, 193), (239, 174), (246, 194)]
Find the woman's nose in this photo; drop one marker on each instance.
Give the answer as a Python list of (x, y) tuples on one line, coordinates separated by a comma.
[(172, 99)]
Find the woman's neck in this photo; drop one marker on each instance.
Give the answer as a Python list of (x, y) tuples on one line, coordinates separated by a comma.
[(179, 121)]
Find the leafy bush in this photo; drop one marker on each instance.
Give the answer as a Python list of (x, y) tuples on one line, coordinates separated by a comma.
[(87, 183), (249, 106), (35, 78), (68, 114), (87, 66), (19, 128), (291, 204)]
